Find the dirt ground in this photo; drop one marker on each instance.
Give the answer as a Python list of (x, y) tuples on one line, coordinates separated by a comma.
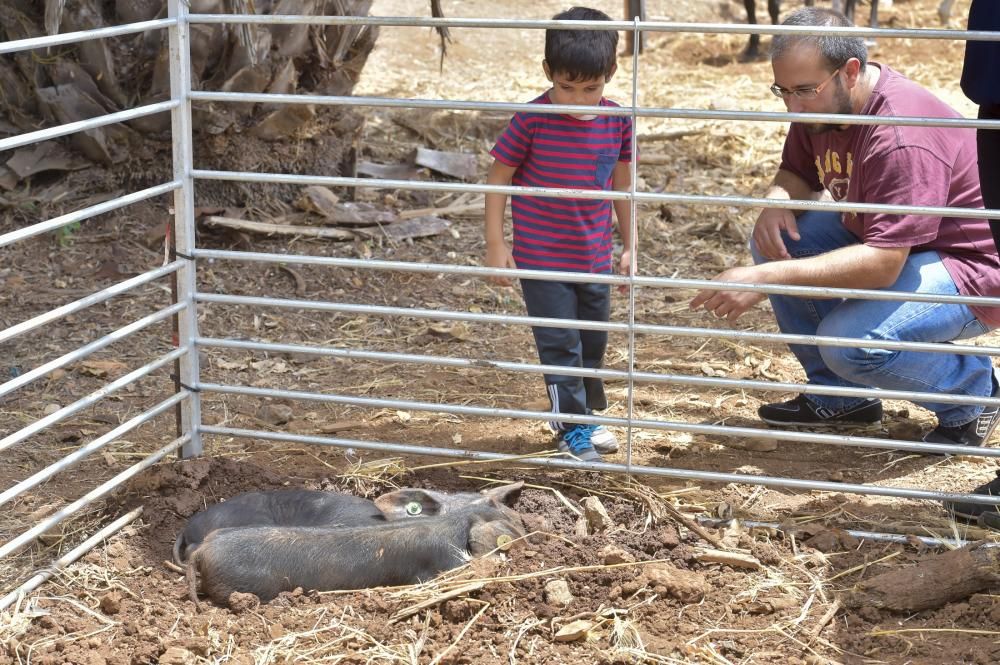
[(121, 604)]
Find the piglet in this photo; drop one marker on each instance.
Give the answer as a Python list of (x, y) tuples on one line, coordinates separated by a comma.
[(265, 561), (316, 508)]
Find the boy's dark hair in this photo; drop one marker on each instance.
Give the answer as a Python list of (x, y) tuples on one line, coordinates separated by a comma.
[(581, 54), (835, 49)]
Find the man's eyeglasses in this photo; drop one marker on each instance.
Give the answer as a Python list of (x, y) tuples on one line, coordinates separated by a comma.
[(803, 93)]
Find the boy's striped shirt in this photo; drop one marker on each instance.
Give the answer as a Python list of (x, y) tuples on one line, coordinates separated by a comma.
[(556, 150)]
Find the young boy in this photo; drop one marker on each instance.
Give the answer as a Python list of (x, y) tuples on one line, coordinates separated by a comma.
[(567, 151)]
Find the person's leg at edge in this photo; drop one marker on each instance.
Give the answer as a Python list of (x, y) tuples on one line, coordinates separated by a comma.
[(988, 144)]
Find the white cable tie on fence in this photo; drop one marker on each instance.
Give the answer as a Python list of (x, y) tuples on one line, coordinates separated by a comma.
[(88, 498), (84, 35), (84, 351), (87, 301), (69, 558), (57, 223), (563, 463), (70, 460), (94, 397), (666, 425)]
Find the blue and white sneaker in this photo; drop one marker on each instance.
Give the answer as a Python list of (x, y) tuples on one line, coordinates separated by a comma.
[(577, 441), (604, 441), (601, 438)]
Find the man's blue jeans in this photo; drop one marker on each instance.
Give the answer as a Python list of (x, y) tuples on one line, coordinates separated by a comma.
[(893, 320)]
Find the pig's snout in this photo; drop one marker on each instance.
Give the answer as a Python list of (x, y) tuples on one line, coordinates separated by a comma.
[(504, 531)]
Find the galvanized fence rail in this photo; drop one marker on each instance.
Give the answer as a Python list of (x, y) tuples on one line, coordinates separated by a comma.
[(44, 322), (184, 311)]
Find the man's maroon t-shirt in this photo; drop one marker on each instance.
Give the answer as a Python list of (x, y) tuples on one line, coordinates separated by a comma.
[(927, 166)]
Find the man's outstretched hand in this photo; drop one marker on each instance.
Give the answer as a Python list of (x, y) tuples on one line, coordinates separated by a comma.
[(730, 305)]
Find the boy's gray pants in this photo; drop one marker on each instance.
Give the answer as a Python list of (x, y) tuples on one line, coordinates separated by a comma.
[(570, 347)]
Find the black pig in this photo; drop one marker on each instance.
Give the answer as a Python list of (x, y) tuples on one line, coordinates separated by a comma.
[(316, 508), (265, 561)]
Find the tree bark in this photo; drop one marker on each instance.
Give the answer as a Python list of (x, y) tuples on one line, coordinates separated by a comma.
[(933, 582)]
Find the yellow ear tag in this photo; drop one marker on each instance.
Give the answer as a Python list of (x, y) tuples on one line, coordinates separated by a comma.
[(504, 542)]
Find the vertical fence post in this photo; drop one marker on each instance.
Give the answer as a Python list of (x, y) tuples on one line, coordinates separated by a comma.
[(183, 236), (636, 46)]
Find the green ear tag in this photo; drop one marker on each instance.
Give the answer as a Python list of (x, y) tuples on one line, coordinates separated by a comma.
[(504, 542), (414, 508)]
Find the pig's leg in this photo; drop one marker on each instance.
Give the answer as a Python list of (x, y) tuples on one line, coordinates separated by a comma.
[(191, 575)]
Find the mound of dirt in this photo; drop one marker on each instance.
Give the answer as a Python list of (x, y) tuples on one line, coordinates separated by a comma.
[(639, 589)]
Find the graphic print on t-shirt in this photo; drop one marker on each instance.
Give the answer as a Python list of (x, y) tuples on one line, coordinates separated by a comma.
[(834, 171)]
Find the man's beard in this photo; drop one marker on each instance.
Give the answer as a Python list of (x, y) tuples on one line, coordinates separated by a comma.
[(843, 101)]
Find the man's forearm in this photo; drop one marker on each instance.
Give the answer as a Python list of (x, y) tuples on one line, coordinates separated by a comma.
[(786, 185), (854, 267)]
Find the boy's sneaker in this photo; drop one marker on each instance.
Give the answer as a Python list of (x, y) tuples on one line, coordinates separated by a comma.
[(603, 440), (577, 441), (971, 512), (973, 433), (801, 411)]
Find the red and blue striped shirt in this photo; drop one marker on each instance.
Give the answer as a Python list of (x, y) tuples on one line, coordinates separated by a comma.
[(556, 150)]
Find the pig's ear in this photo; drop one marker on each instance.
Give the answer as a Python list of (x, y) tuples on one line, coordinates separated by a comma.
[(505, 494), (409, 502)]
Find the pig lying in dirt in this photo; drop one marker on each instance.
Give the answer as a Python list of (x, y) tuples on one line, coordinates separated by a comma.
[(265, 561), (316, 508)]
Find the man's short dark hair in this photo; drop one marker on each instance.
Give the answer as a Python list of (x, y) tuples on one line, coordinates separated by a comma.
[(581, 54), (835, 49)]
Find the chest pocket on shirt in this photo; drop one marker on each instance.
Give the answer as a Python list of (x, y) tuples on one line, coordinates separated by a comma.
[(605, 165)]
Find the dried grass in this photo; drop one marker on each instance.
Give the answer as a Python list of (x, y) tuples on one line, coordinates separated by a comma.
[(18, 567), (369, 478), (336, 641)]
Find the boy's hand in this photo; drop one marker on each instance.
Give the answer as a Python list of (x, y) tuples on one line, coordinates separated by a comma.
[(625, 263), (499, 256), (624, 268)]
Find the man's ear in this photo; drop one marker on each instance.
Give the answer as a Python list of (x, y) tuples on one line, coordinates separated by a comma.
[(852, 68), (614, 68), (548, 72)]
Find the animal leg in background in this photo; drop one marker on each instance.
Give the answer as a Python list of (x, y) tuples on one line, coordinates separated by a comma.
[(634, 9), (774, 9)]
